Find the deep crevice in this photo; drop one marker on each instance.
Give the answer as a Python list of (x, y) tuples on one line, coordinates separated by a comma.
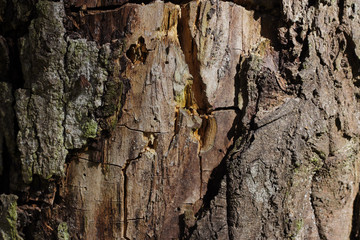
[(5, 174), (312, 3), (12, 27), (241, 87), (213, 185), (213, 188), (341, 10), (355, 227), (305, 52), (353, 59), (239, 144), (190, 51), (14, 74)]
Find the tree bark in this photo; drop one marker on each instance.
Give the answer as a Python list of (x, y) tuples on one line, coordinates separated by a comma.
[(179, 119)]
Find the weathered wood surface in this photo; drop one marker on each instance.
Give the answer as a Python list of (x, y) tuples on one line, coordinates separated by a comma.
[(179, 119)]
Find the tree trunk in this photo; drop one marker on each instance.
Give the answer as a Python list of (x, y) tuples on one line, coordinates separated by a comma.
[(179, 119)]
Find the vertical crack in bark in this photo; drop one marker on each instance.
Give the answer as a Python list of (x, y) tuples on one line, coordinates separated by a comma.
[(190, 50), (341, 5), (353, 59), (195, 93), (12, 29), (124, 210), (122, 204), (317, 224), (201, 174), (151, 146), (355, 227), (6, 167), (239, 145)]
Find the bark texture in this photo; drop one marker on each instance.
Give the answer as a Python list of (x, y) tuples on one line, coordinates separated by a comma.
[(179, 119)]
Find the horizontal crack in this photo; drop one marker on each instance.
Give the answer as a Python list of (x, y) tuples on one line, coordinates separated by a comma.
[(142, 131), (224, 109), (110, 164), (260, 125)]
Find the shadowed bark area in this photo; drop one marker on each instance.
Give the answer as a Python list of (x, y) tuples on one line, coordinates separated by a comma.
[(179, 119)]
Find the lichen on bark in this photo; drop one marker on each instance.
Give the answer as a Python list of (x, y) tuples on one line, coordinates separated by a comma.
[(8, 217), (64, 85), (181, 119)]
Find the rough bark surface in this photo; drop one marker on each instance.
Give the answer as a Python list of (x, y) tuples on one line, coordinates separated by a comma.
[(179, 119)]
